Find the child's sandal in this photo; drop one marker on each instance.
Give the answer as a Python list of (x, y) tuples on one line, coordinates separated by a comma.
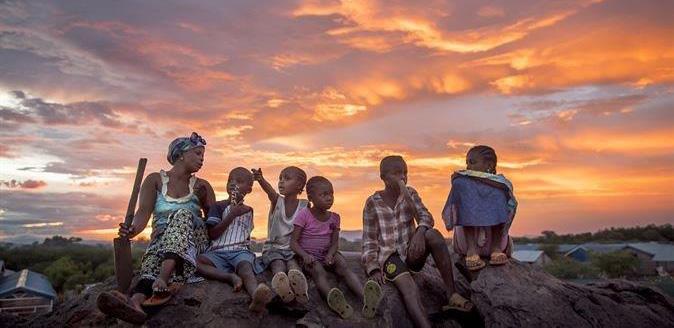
[(474, 263), (371, 298), (299, 285), (337, 303), (459, 303), (498, 258), (281, 286)]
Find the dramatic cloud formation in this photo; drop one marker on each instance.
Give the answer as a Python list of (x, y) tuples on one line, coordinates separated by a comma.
[(576, 97)]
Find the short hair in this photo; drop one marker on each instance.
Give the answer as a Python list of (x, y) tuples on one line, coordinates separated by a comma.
[(315, 181), (388, 161), (240, 172), (485, 152), (299, 173)]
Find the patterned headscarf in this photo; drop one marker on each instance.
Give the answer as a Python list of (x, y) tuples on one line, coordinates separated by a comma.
[(181, 145)]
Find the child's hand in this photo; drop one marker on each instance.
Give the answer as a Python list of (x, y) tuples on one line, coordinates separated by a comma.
[(330, 259), (239, 209), (308, 260), (257, 174), (376, 276), (417, 246)]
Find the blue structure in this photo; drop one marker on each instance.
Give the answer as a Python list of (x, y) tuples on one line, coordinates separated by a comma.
[(26, 292)]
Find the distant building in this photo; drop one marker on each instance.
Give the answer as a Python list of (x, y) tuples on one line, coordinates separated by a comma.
[(26, 292), (651, 255), (533, 257)]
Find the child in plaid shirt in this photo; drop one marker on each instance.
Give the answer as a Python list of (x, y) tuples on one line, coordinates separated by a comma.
[(393, 246)]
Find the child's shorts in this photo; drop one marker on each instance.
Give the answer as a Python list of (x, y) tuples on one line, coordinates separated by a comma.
[(394, 267), (274, 254), (228, 261)]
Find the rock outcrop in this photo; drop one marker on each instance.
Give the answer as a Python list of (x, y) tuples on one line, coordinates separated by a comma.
[(514, 295)]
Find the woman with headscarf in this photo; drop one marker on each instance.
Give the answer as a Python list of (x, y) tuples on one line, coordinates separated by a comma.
[(176, 199)]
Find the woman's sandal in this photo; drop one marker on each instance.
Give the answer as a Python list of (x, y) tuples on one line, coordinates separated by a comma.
[(498, 258), (371, 298), (281, 286), (161, 297), (459, 303), (118, 305), (298, 283), (337, 302), (474, 263)]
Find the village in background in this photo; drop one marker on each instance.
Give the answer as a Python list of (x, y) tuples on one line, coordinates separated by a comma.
[(35, 277)]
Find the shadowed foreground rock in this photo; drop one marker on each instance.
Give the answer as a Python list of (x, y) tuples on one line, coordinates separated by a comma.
[(510, 296)]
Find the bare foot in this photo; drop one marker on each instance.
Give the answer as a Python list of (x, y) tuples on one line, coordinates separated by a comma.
[(159, 285), (236, 282), (260, 298)]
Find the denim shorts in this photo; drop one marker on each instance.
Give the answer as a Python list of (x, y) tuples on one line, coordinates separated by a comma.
[(229, 260)]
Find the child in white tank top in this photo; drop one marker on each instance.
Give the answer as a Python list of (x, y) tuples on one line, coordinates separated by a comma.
[(289, 282)]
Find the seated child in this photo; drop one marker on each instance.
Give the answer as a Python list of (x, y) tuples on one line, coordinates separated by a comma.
[(276, 252), (229, 224), (315, 240), (480, 208), (394, 246)]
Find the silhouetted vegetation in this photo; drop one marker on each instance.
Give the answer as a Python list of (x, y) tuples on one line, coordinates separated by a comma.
[(68, 264), (651, 232)]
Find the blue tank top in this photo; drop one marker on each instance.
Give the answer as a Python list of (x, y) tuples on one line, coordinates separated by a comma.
[(166, 205)]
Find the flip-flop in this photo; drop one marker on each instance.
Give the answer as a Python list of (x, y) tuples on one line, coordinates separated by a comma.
[(475, 263), (281, 287), (116, 304), (498, 258), (161, 297), (459, 303), (298, 283), (261, 297), (337, 302), (371, 298)]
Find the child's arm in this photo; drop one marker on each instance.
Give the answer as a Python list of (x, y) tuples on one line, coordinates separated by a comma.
[(370, 257), (295, 246), (266, 186), (334, 247), (214, 232)]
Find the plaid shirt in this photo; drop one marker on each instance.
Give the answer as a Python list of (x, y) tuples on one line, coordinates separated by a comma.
[(386, 230)]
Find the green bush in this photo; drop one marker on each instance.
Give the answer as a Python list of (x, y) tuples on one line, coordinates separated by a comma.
[(615, 264), (566, 268)]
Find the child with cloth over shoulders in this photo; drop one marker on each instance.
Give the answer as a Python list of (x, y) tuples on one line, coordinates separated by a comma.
[(480, 209), (315, 240), (288, 281), (230, 224), (394, 245)]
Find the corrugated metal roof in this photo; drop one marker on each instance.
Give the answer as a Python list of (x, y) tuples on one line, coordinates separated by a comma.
[(27, 281), (527, 256), (660, 252)]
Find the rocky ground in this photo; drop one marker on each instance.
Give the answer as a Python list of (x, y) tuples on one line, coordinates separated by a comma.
[(514, 295)]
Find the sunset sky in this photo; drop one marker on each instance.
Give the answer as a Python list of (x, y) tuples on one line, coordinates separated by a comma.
[(577, 98)]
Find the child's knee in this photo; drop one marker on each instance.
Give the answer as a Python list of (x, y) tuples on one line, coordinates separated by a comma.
[(203, 260), (434, 237), (245, 269)]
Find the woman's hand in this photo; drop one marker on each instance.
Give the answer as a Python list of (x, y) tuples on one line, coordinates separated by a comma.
[(126, 231)]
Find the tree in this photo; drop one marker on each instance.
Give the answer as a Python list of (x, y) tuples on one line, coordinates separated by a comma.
[(551, 250), (566, 268), (616, 264), (62, 271)]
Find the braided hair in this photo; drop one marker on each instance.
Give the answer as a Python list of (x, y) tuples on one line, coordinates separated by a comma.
[(315, 181), (483, 152)]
